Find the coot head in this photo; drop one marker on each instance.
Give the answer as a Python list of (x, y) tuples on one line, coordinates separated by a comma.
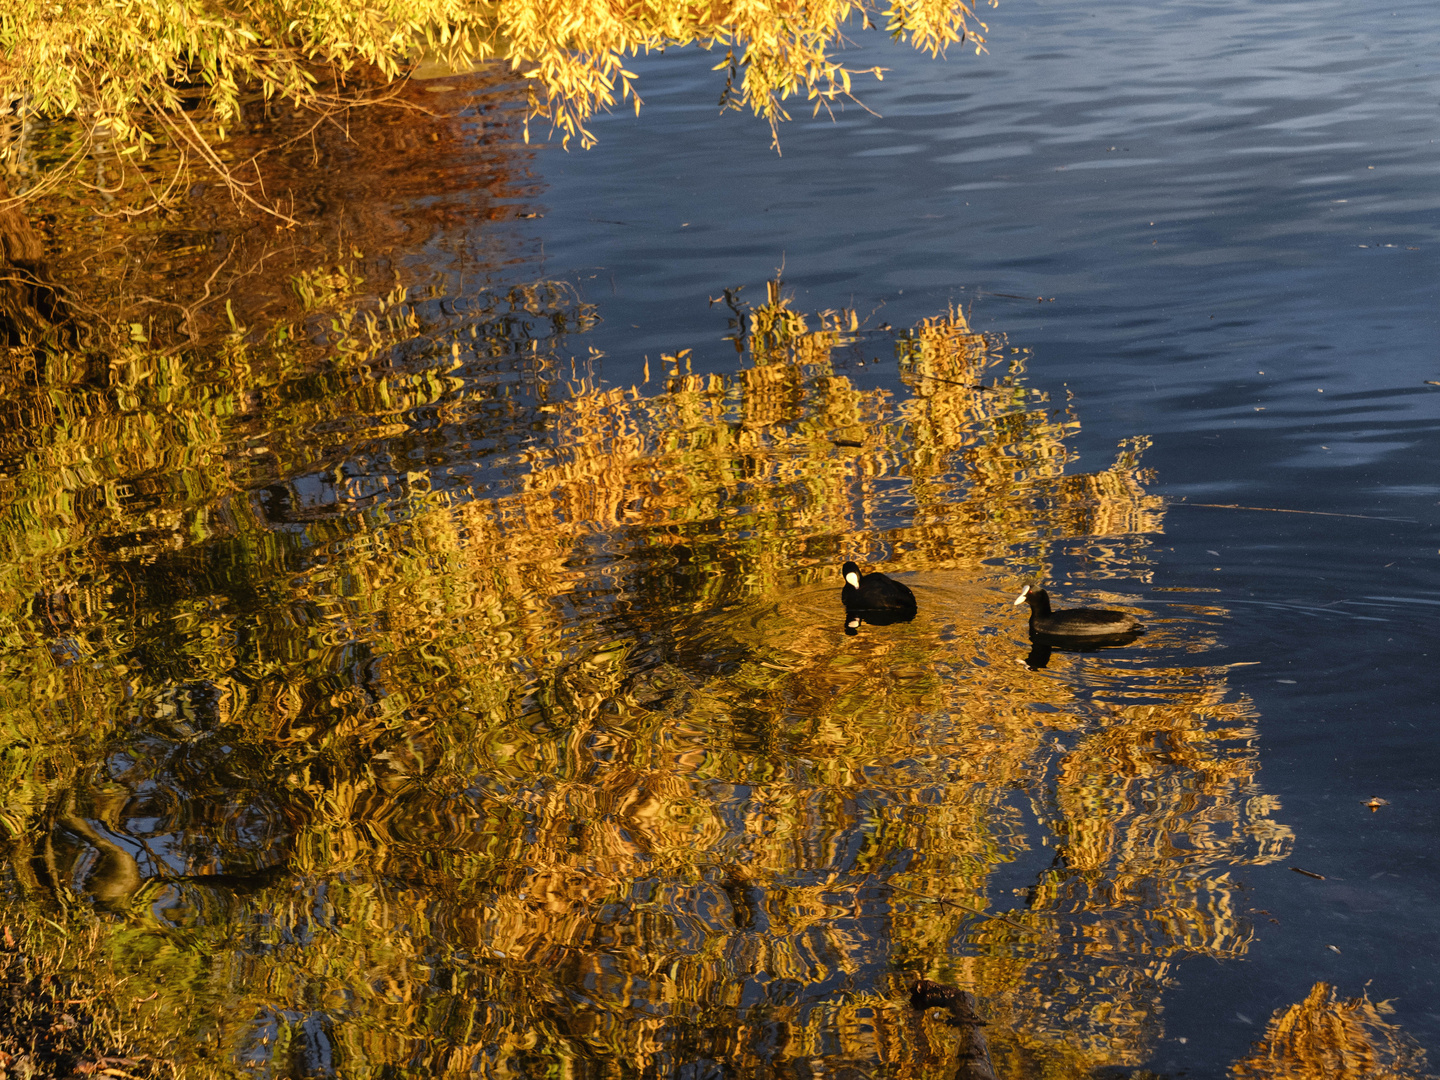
[(852, 574)]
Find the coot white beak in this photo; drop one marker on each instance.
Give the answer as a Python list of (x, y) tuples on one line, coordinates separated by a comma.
[(1021, 598), (854, 579)]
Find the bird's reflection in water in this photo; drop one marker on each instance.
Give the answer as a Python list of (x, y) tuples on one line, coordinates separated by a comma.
[(875, 617), (1042, 645)]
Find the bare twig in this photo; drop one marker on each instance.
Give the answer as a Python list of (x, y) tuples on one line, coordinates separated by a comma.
[(1282, 510), (965, 907)]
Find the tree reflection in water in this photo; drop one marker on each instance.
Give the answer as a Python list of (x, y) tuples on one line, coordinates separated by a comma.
[(384, 695), (1326, 1035)]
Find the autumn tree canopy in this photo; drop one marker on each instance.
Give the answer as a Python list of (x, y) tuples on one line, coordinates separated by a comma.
[(181, 70)]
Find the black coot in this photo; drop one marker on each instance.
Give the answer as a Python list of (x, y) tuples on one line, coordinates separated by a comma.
[(875, 599), (1080, 622)]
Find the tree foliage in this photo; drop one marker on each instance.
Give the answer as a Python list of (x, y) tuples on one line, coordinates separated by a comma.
[(137, 70)]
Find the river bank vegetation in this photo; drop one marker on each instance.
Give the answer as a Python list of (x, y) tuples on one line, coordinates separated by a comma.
[(255, 116), (187, 72)]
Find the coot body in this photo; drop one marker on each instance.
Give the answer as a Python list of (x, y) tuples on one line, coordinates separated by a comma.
[(874, 599), (1089, 623), (874, 592)]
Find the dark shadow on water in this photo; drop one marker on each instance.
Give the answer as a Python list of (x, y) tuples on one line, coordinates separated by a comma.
[(1042, 645), (875, 617)]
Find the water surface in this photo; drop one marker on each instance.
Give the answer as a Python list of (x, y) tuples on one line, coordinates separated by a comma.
[(1227, 212), (461, 686)]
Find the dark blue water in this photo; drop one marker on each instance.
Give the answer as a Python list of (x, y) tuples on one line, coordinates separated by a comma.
[(1228, 213)]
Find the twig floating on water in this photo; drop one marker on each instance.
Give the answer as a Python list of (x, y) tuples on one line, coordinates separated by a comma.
[(1307, 873), (1282, 510), (965, 907)]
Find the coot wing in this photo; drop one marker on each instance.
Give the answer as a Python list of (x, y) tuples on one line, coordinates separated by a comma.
[(1097, 618)]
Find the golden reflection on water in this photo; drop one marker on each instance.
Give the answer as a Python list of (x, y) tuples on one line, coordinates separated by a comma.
[(406, 703), (1326, 1036)]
